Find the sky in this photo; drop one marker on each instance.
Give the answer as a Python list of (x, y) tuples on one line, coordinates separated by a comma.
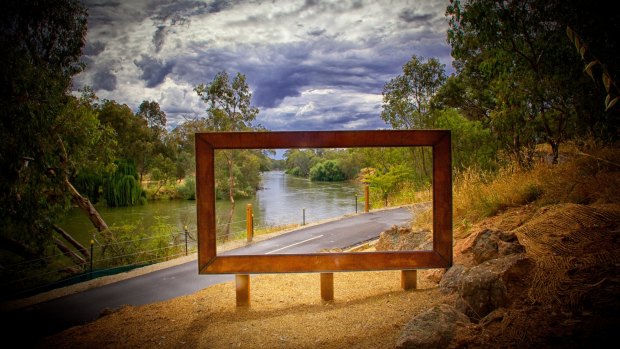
[(310, 64)]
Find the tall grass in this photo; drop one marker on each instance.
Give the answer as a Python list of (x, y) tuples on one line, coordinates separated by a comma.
[(586, 175)]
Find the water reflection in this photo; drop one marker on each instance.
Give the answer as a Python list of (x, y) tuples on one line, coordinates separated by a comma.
[(281, 201)]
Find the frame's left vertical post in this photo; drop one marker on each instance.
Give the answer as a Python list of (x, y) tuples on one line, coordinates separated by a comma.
[(205, 201)]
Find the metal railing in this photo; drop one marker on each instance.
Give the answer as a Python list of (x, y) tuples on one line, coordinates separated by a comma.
[(29, 277)]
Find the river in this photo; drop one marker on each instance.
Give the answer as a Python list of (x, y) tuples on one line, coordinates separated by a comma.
[(281, 200)]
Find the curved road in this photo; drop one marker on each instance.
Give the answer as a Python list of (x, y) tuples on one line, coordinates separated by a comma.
[(37, 321)]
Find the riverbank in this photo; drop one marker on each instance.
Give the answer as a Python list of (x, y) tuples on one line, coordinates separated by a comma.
[(98, 282), (370, 310)]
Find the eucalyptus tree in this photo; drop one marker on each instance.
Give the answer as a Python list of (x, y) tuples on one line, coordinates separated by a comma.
[(514, 61), (40, 48), (407, 100), (407, 97), (229, 108)]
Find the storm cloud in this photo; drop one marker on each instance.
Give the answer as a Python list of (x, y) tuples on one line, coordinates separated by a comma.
[(153, 70), (309, 64)]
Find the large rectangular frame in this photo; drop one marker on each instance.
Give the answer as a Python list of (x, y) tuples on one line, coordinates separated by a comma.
[(439, 257)]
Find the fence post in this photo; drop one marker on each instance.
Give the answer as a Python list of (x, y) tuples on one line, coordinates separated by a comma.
[(186, 232), (303, 212), (409, 279), (327, 286), (92, 243), (248, 222), (355, 202), (367, 195), (242, 287)]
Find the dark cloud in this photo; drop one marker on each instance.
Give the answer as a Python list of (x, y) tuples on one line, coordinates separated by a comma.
[(104, 80), (327, 118), (275, 72), (298, 71), (271, 90), (94, 48), (158, 37), (179, 12), (219, 5), (153, 70), (409, 16), (316, 32), (357, 4)]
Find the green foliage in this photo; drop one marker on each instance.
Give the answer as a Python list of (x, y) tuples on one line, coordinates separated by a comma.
[(244, 168), (472, 143), (163, 171), (122, 187), (230, 109), (299, 161), (188, 189), (40, 49), (229, 103), (135, 140), (133, 245), (407, 97), (327, 171), (390, 181), (516, 72), (297, 172), (89, 183)]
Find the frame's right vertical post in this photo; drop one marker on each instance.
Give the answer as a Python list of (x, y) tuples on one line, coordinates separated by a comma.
[(442, 198)]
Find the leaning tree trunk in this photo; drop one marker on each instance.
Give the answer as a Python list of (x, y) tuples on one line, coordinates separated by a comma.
[(231, 195), (72, 241), (77, 259), (93, 215), (84, 204)]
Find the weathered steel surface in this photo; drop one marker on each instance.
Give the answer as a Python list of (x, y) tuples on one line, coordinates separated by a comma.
[(409, 279), (440, 257), (242, 290), (327, 286)]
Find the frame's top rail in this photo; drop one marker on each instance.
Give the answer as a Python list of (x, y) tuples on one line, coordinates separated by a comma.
[(439, 257), (321, 139)]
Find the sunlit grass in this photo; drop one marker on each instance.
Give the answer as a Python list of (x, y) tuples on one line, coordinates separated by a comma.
[(408, 193), (584, 176)]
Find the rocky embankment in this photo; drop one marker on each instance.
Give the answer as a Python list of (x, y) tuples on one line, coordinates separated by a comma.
[(550, 281)]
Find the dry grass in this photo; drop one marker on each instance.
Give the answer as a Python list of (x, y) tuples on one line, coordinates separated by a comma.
[(566, 215), (369, 311), (586, 176)]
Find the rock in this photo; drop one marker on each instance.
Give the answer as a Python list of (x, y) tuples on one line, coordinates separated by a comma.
[(435, 328), (490, 244), (488, 286), (450, 281), (404, 239), (433, 275)]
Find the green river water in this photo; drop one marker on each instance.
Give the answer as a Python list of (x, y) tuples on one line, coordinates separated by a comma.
[(281, 200)]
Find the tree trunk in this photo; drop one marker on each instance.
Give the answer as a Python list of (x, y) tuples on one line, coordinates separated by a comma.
[(555, 151), (68, 252), (231, 194), (93, 215), (72, 241), (231, 213), (90, 210)]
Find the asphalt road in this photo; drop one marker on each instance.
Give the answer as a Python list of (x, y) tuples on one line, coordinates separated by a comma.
[(34, 322)]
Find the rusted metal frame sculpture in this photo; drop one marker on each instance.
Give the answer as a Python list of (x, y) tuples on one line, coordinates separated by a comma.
[(439, 257)]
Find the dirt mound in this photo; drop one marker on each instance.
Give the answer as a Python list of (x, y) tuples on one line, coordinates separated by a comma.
[(573, 300), (567, 241)]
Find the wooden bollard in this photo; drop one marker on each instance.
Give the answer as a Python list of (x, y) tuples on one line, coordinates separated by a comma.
[(248, 222), (367, 197), (327, 286), (242, 285), (409, 279)]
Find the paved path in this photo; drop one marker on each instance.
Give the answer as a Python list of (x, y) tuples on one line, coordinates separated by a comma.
[(53, 316)]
